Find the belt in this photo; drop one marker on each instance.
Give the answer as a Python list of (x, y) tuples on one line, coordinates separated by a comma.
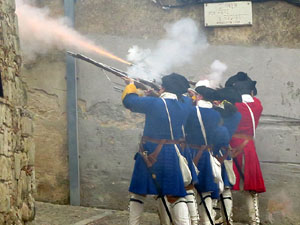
[(243, 136), (200, 149), (238, 149), (150, 159), (162, 141), (223, 157)]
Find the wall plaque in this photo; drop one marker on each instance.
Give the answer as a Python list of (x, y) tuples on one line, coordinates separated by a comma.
[(228, 13)]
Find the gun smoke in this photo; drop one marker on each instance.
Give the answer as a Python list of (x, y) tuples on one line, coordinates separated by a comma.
[(40, 33), (180, 44), (217, 69)]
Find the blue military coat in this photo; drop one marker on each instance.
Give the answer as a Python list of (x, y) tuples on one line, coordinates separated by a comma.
[(166, 169)]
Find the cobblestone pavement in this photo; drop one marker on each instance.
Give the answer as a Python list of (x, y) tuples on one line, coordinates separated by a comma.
[(51, 214)]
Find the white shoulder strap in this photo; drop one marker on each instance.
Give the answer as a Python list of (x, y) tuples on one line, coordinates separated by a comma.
[(252, 117), (201, 125), (171, 130)]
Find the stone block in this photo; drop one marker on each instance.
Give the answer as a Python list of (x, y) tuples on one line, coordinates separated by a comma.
[(1, 143), (33, 182), (24, 184), (8, 90), (2, 54), (11, 5), (16, 142), (14, 217), (10, 73), (18, 167), (2, 220), (17, 45), (31, 205), (27, 143), (17, 123), (19, 193), (26, 126), (2, 113), (20, 92), (7, 117), (4, 198), (29, 148), (5, 140), (13, 187), (4, 33), (11, 54), (25, 211), (28, 183), (5, 168), (24, 160)]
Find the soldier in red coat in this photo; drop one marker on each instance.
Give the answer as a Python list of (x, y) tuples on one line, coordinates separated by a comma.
[(246, 166)]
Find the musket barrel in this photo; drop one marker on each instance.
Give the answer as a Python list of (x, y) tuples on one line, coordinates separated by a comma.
[(139, 82)]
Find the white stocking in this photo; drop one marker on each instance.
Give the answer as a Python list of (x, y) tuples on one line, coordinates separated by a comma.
[(192, 206), (214, 208), (204, 219), (227, 198), (136, 208), (252, 203), (180, 212), (163, 216)]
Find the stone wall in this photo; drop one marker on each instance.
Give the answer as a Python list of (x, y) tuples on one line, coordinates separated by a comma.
[(46, 101), (108, 134), (17, 174), (46, 85)]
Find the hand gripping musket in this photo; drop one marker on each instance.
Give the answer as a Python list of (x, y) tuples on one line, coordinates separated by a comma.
[(140, 83)]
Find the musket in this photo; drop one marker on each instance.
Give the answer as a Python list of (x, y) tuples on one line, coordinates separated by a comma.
[(139, 83)]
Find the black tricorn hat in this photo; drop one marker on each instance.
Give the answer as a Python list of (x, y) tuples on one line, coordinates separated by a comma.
[(207, 93), (245, 87), (175, 83), (229, 94), (240, 76)]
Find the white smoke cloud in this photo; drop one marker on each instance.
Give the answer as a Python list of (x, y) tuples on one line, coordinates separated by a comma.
[(217, 70), (182, 41), (40, 33)]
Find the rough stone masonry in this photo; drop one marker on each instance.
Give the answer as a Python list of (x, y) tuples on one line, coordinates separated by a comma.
[(17, 175)]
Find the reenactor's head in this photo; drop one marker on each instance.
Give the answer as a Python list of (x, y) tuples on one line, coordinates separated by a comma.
[(225, 99), (235, 81), (175, 83), (229, 94), (246, 87), (203, 91)]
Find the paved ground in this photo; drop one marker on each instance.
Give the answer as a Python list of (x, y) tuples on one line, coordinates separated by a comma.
[(51, 214)]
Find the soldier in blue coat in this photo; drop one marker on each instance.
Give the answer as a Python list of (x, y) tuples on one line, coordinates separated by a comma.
[(225, 99), (189, 187), (201, 124), (157, 169)]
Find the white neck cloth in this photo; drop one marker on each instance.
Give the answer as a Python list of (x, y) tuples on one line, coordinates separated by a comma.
[(204, 104), (168, 95), (247, 98)]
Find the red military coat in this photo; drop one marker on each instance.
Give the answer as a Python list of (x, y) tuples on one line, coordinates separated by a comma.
[(253, 176)]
